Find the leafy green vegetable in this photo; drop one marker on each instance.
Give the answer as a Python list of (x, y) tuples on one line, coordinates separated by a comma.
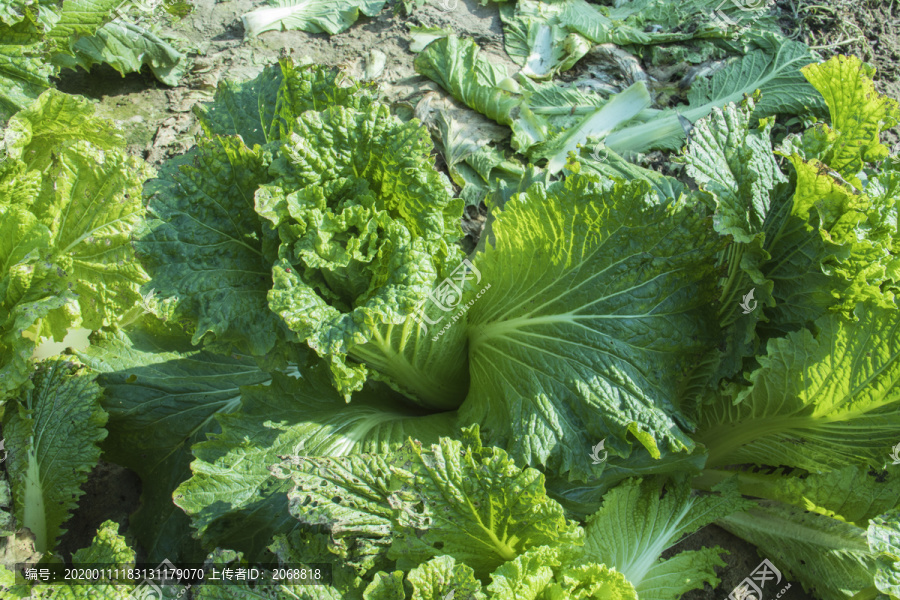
[(315, 16), (384, 225), (286, 419), (71, 204), (316, 372), (126, 47), (610, 310), (537, 39), (635, 525), (831, 558), (53, 431), (773, 67), (812, 403), (162, 397), (39, 38)]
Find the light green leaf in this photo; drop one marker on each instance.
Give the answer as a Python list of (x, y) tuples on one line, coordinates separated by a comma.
[(7, 520), (232, 485), (851, 493), (840, 217), (686, 571), (814, 402), (126, 47), (474, 504), (526, 576), (609, 310), (80, 18), (620, 109), (89, 201), (242, 591), (644, 22), (24, 74), (422, 36), (536, 39), (367, 226), (314, 16), (53, 122), (346, 498), (108, 548), (386, 586), (264, 109), (443, 577), (774, 69), (475, 81), (590, 581), (858, 114), (23, 296), (884, 538), (637, 523), (52, 435), (93, 206)]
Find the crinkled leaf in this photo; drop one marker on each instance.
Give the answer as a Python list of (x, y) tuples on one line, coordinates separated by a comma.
[(851, 493), (443, 577), (207, 247), (815, 402), (637, 523), (53, 122), (589, 581), (598, 301), (474, 504), (264, 109), (24, 74), (526, 576), (7, 520), (232, 485), (858, 114), (23, 295), (52, 433), (81, 17), (366, 226), (93, 206), (108, 548), (884, 538), (386, 586)]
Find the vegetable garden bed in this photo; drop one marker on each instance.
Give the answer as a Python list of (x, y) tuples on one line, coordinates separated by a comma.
[(446, 300)]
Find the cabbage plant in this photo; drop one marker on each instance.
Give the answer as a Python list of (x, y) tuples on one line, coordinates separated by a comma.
[(313, 372)]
